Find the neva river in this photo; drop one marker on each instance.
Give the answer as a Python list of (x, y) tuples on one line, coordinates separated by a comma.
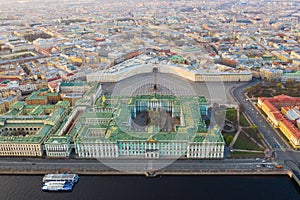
[(164, 187)]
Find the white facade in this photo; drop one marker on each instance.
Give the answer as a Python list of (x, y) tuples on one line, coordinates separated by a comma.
[(146, 149), (97, 150), (205, 150), (28, 87), (58, 150), (115, 76)]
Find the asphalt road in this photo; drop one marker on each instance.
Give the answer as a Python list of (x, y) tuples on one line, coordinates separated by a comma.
[(135, 165), (277, 143), (270, 135)]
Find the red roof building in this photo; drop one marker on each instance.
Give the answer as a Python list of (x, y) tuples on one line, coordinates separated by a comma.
[(275, 108)]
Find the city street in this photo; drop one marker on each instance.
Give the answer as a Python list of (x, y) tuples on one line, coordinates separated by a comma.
[(272, 138), (136, 165), (277, 143)]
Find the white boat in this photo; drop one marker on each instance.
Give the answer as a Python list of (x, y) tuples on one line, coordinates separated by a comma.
[(61, 177), (59, 182), (57, 188), (50, 183)]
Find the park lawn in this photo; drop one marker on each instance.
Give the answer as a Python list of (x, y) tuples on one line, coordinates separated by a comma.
[(254, 133), (243, 142), (240, 154), (231, 115), (243, 120)]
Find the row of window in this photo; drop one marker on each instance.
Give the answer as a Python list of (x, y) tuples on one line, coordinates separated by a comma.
[(206, 149), (96, 121), (21, 129), (152, 155), (20, 153), (131, 152), (103, 148), (205, 155), (224, 77), (162, 146), (97, 155), (161, 151), (153, 145), (58, 154), (170, 146), (142, 152), (19, 148), (56, 147), (147, 155)]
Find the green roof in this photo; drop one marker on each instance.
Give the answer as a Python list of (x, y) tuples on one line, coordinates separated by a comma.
[(71, 84), (52, 94), (13, 112), (18, 105), (297, 73), (36, 138), (44, 130), (97, 115), (37, 110), (58, 140), (21, 139), (35, 115), (63, 104), (117, 129), (56, 115), (35, 95)]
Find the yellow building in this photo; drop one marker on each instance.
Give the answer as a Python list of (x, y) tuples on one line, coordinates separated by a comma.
[(272, 107), (6, 103)]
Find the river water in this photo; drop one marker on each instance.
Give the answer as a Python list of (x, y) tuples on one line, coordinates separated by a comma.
[(162, 187)]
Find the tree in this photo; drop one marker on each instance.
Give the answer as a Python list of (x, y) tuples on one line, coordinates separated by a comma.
[(228, 139), (279, 85), (253, 126)]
